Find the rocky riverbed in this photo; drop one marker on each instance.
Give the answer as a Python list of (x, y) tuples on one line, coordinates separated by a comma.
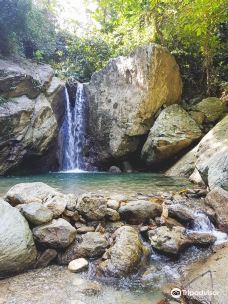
[(138, 242)]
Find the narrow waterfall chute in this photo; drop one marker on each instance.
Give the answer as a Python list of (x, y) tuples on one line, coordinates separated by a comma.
[(72, 134)]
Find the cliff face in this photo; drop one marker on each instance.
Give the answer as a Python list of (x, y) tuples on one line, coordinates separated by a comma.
[(125, 96), (31, 109)]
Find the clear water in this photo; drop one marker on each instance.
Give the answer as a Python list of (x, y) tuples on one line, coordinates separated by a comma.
[(129, 183)]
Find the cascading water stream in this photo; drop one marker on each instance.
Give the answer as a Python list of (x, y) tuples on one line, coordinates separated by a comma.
[(203, 224), (73, 132)]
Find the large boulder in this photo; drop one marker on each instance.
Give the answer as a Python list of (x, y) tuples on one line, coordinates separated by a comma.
[(31, 109), (57, 234), (88, 245), (25, 193), (124, 97), (138, 212), (209, 158), (212, 156), (173, 131), (185, 166), (217, 199), (206, 280), (125, 254), (17, 248), (23, 78)]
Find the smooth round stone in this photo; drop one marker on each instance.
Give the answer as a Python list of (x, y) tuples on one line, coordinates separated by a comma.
[(78, 265)]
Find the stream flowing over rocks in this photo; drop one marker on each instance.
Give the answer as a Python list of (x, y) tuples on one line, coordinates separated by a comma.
[(152, 234)]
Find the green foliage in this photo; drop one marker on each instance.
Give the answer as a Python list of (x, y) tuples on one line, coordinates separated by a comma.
[(26, 27), (184, 26), (85, 55)]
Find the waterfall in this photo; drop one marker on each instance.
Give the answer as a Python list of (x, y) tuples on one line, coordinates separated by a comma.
[(72, 134)]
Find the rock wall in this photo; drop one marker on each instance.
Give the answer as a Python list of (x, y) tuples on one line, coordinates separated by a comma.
[(124, 98), (31, 110)]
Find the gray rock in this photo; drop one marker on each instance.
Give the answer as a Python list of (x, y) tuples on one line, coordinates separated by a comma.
[(17, 248), (36, 213), (217, 199), (212, 156), (57, 234), (201, 238), (27, 78), (92, 206), (125, 255), (26, 193), (112, 215), (113, 204), (125, 96), (169, 240), (181, 213), (88, 245), (29, 115), (208, 275), (56, 203), (46, 258), (137, 212), (114, 169), (85, 229), (173, 131)]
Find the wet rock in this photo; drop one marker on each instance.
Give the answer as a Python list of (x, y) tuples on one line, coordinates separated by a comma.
[(125, 254), (57, 234), (114, 169), (202, 238), (26, 193), (112, 215), (36, 213), (78, 265), (181, 213), (46, 258), (17, 248), (217, 199), (89, 245), (87, 287), (209, 275), (169, 240), (92, 206), (173, 131), (137, 212), (125, 96)]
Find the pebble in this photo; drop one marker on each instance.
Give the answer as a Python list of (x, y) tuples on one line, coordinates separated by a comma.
[(78, 265)]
